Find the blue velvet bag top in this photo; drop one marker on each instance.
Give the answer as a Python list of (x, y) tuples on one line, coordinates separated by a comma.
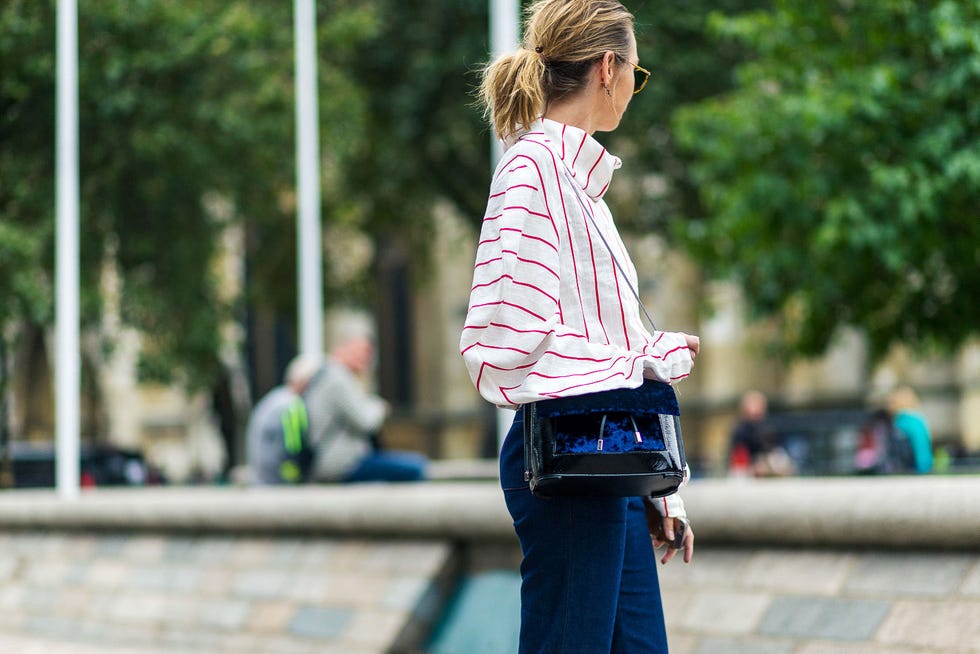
[(611, 422), (652, 398), (616, 434)]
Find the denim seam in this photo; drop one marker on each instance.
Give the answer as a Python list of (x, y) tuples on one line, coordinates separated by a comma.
[(566, 557)]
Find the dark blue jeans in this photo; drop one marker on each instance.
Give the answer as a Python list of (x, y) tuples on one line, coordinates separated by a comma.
[(389, 466), (589, 576)]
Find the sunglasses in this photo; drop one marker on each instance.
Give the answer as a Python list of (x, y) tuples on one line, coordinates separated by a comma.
[(640, 75)]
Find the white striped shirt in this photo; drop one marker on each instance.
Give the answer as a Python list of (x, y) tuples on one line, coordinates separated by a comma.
[(549, 314)]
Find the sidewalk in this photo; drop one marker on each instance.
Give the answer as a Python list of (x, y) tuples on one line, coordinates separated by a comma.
[(814, 601), (215, 594)]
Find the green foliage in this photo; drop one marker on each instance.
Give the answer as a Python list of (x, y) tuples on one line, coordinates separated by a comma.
[(426, 138), (26, 190), (178, 103), (267, 195), (687, 65), (841, 180)]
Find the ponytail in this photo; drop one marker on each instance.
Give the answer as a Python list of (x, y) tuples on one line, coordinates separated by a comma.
[(513, 91), (562, 41)]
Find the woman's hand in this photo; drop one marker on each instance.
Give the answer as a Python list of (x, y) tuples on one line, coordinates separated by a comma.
[(693, 344), (687, 544), (662, 532)]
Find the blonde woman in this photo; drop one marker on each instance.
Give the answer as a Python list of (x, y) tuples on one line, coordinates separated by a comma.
[(550, 315)]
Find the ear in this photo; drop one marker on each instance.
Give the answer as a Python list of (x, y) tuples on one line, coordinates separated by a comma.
[(607, 65)]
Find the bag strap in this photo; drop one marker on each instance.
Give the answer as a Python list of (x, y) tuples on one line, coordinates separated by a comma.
[(669, 425), (626, 278)]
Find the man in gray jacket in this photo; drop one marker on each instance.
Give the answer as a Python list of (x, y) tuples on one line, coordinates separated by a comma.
[(344, 418)]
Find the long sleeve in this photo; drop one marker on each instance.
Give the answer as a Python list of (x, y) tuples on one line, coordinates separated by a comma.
[(672, 506), (549, 313)]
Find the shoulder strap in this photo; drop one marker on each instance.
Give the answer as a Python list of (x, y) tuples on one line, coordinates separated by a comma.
[(619, 266)]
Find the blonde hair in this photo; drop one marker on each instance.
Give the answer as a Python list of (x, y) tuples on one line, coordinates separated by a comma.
[(562, 39), (903, 398)]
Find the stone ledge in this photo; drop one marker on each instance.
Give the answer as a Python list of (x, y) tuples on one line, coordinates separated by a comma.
[(937, 512), (444, 510)]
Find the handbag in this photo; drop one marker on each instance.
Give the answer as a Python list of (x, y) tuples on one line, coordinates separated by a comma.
[(619, 443)]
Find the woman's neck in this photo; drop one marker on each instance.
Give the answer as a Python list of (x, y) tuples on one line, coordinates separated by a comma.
[(577, 111)]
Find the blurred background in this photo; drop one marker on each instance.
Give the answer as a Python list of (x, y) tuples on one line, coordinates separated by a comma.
[(801, 187)]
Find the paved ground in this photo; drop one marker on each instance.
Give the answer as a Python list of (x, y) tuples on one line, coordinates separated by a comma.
[(767, 601), (115, 593), (823, 602)]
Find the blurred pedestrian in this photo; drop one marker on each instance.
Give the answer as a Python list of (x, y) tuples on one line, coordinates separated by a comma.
[(345, 421), (755, 449), (551, 315), (875, 450), (746, 440), (277, 433), (911, 424)]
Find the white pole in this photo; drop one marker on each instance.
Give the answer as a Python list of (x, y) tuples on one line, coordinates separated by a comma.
[(308, 230), (505, 35), (67, 366), (505, 29)]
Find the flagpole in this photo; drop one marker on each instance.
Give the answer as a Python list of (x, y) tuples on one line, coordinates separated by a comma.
[(67, 363), (505, 27), (308, 228)]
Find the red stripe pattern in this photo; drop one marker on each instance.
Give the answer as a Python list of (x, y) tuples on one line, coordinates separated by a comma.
[(549, 314)]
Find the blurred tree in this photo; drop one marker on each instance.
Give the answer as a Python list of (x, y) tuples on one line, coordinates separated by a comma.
[(687, 64), (26, 189), (183, 108), (429, 140), (426, 138), (841, 180), (426, 142)]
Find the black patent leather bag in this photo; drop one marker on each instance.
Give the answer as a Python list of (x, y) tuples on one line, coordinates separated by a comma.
[(618, 443)]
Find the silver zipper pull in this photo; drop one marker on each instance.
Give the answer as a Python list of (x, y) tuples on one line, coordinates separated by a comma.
[(598, 445)]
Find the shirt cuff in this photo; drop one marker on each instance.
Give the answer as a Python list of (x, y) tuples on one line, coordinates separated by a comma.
[(672, 506)]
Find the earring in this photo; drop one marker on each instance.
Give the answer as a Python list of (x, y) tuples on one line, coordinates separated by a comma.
[(608, 92)]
